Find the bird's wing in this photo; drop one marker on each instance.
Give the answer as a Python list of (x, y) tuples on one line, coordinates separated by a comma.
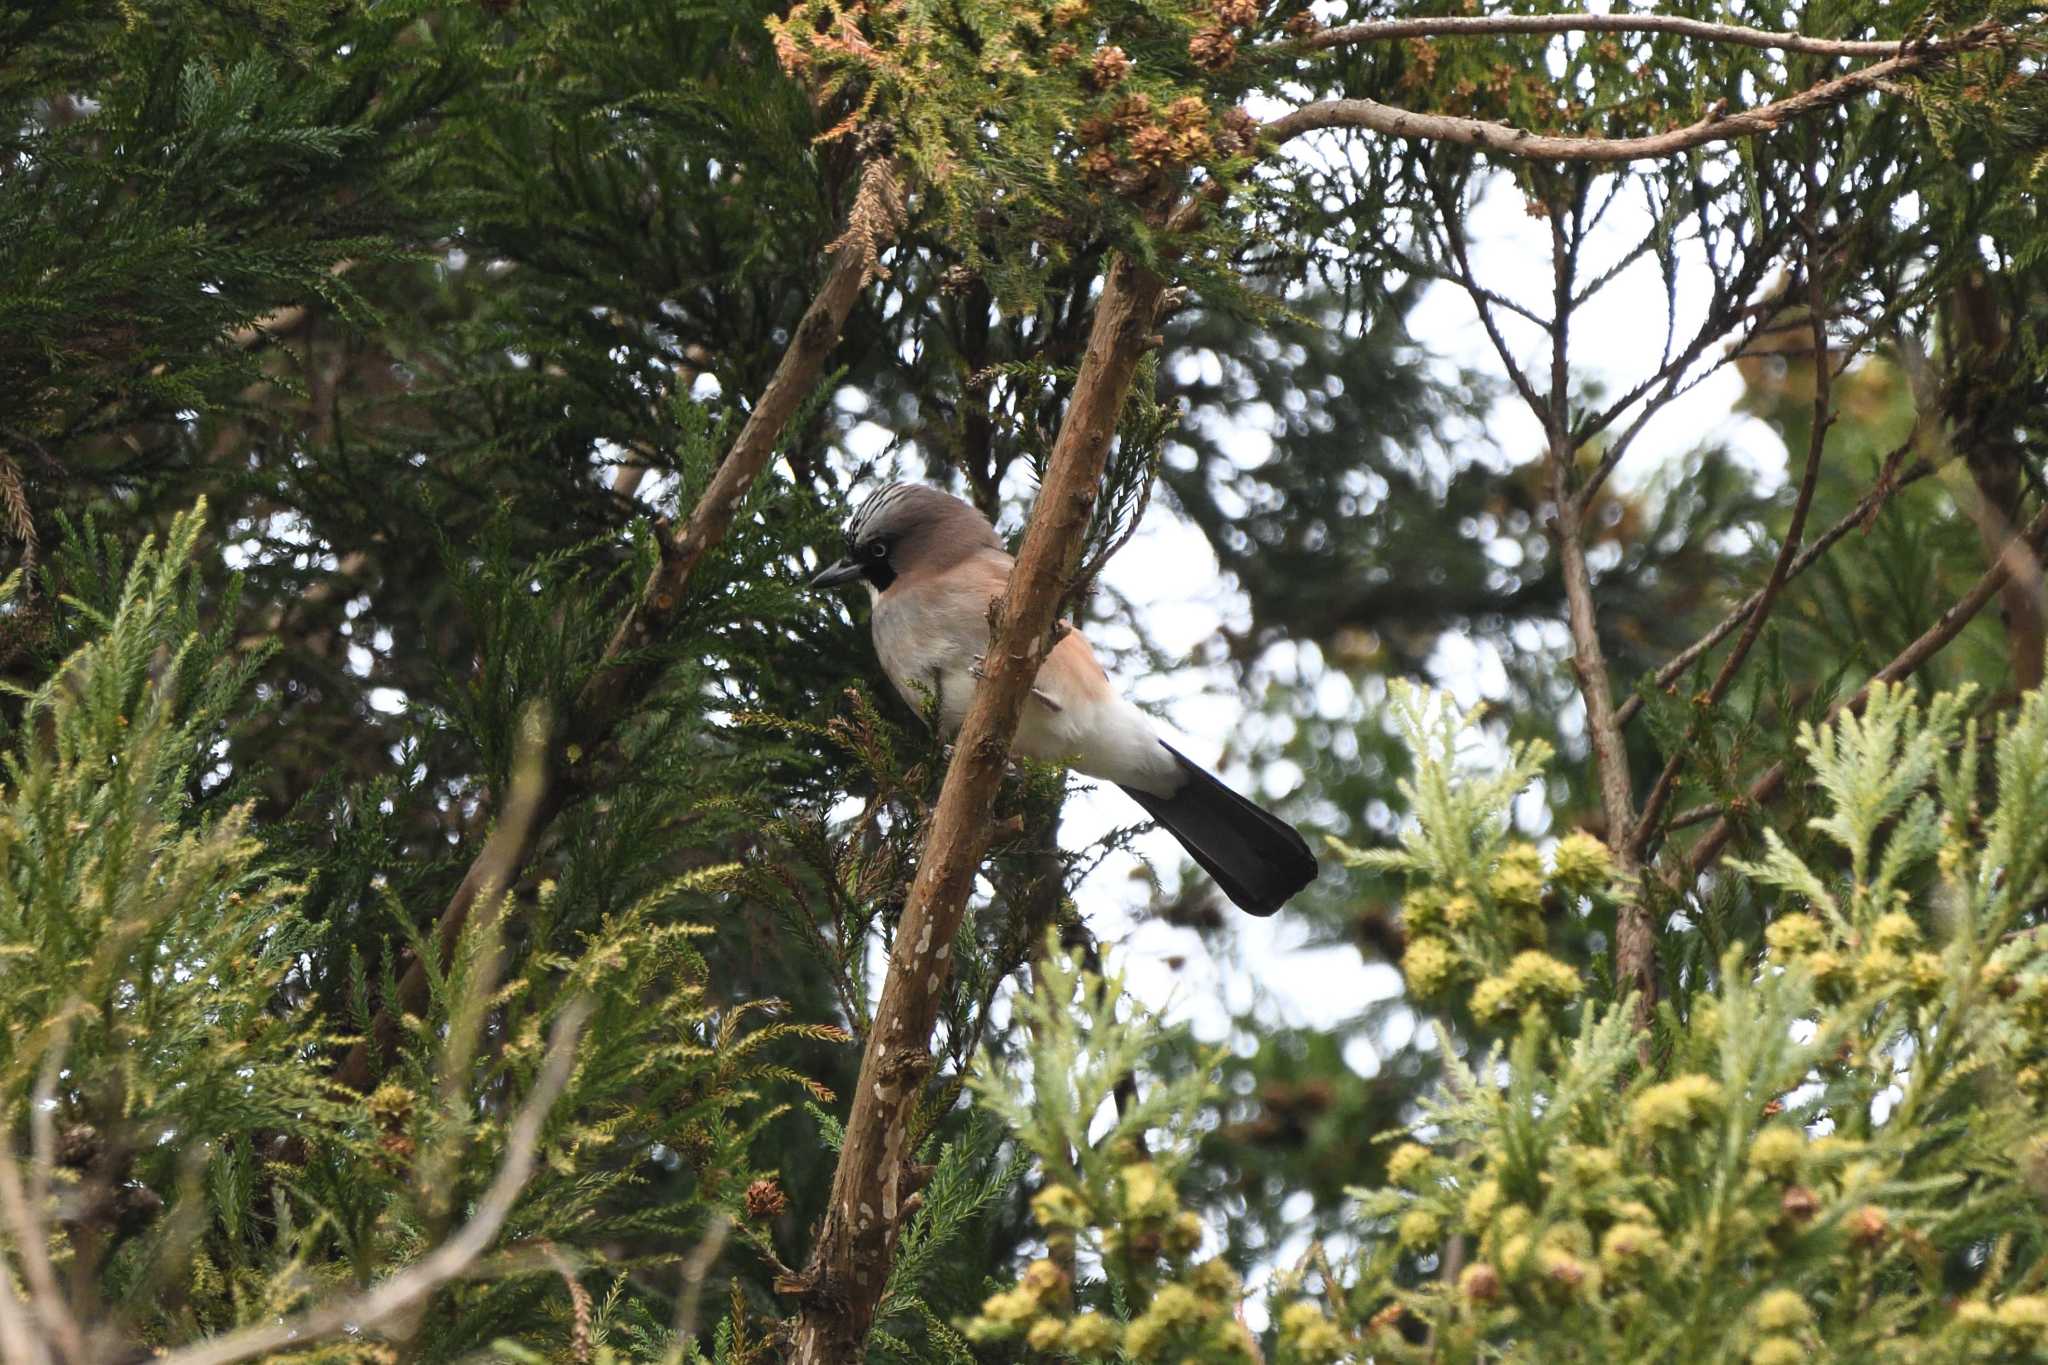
[(1071, 674)]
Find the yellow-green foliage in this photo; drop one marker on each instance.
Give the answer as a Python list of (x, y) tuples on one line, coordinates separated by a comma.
[(1110, 1196), (1477, 897), (142, 941), (1789, 1164), (1827, 1157)]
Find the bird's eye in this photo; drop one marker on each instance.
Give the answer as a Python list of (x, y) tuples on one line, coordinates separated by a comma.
[(875, 549)]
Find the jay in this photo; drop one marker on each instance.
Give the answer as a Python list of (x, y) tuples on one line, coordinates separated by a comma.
[(932, 564)]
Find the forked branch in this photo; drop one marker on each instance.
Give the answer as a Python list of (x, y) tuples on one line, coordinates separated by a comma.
[(1781, 566), (1866, 508)]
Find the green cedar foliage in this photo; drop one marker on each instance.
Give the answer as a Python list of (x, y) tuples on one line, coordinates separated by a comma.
[(201, 1167), (401, 289)]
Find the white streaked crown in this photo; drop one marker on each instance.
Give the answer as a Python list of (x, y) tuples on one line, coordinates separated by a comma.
[(875, 511)]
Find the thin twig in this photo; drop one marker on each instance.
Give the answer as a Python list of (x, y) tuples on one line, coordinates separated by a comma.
[(1859, 515), (1695, 815), (1083, 583), (1429, 270), (1672, 376), (1714, 127), (1823, 418), (1932, 641), (367, 1311), (1450, 216)]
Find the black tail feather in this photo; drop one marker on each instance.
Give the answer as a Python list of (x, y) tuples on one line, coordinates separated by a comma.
[(1258, 859)]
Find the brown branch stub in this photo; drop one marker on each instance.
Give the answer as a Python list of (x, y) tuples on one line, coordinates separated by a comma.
[(856, 1242), (1508, 140), (628, 672)]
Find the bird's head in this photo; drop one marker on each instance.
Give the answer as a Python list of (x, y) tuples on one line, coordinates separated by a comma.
[(904, 527)]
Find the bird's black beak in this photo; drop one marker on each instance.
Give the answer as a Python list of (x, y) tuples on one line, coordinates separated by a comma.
[(837, 575)]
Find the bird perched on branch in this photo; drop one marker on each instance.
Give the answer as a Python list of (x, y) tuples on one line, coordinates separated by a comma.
[(932, 565)]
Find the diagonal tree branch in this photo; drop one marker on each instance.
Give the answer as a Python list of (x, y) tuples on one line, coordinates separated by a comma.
[(1451, 217), (368, 1311), (842, 1287), (629, 669), (1715, 127), (2026, 546), (1795, 531), (1859, 515)]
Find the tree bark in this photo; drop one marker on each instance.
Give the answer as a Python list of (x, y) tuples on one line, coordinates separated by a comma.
[(842, 1287), (1635, 946)]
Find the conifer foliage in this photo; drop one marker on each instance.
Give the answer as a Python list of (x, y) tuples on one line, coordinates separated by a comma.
[(462, 898)]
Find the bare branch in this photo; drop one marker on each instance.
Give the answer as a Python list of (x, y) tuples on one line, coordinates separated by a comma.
[(23, 1209), (1738, 35), (1635, 937), (1760, 611), (629, 668), (842, 1286), (1714, 127), (1670, 381), (1429, 270), (1695, 815), (453, 1258), (1932, 641), (1859, 515), (1450, 218)]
